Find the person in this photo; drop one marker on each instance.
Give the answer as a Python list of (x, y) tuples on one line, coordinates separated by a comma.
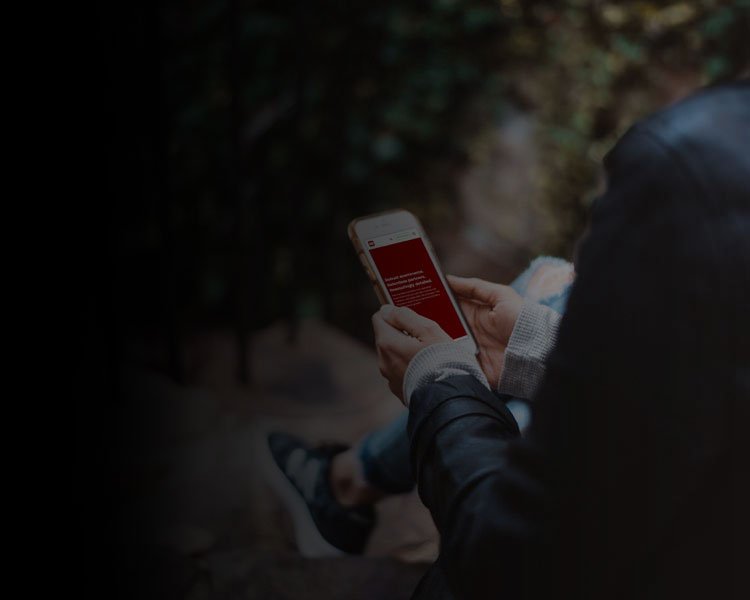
[(632, 479), (330, 489)]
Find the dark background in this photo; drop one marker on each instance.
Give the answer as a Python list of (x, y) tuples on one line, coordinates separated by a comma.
[(246, 135), (233, 142)]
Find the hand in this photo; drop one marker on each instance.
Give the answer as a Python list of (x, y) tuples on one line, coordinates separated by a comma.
[(491, 310), (399, 334)]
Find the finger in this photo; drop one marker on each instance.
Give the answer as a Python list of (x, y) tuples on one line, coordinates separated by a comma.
[(387, 337), (405, 319), (477, 290)]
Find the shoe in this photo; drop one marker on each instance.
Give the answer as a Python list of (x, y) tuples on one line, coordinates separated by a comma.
[(300, 476)]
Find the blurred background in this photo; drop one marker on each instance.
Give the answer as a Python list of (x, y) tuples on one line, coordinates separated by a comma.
[(241, 138)]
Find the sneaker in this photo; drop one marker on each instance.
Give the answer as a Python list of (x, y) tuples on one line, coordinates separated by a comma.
[(322, 526)]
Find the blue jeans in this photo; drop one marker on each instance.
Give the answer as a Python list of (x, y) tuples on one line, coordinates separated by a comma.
[(384, 453)]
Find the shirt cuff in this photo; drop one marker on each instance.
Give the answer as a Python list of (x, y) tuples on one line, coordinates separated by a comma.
[(437, 362), (534, 335)]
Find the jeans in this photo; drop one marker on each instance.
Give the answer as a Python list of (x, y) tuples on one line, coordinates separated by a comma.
[(384, 453)]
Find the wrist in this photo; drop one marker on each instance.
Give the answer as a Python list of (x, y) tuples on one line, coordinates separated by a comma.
[(533, 336), (438, 361)]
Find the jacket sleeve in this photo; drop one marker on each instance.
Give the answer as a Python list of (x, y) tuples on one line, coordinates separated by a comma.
[(477, 477)]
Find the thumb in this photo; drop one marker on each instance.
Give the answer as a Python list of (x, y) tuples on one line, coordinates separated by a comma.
[(477, 290)]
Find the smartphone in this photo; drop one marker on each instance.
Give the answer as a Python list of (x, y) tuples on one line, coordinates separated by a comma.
[(402, 266)]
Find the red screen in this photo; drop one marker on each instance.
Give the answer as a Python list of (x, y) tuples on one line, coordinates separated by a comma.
[(412, 281)]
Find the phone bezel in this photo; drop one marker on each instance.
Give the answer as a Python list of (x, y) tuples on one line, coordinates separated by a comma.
[(394, 221)]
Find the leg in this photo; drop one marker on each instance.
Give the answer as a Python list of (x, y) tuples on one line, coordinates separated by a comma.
[(379, 465)]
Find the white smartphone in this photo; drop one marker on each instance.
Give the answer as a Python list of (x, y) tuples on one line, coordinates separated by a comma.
[(402, 266)]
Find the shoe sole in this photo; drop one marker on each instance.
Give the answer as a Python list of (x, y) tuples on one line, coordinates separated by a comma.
[(310, 542)]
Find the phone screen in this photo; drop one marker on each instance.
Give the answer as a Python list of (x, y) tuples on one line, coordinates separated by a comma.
[(412, 280)]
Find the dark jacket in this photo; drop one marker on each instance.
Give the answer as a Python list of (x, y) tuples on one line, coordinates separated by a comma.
[(633, 481)]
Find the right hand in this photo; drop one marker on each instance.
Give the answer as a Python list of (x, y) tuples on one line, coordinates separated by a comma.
[(400, 334), (491, 310)]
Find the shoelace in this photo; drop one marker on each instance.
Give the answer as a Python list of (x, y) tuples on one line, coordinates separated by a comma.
[(303, 471)]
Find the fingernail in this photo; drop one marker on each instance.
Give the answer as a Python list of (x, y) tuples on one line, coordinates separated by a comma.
[(386, 309)]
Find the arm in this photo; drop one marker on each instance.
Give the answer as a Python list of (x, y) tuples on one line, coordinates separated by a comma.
[(534, 335), (481, 487), (478, 489)]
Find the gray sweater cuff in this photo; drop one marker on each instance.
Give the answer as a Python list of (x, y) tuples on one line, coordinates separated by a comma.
[(438, 361), (534, 335)]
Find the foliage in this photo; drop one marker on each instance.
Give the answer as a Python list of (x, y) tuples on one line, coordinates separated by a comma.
[(343, 110), (602, 66), (282, 121)]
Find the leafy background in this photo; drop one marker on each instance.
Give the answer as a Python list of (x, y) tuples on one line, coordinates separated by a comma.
[(273, 124)]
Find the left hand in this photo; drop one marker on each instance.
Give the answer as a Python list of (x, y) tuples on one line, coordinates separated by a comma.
[(399, 334), (491, 310)]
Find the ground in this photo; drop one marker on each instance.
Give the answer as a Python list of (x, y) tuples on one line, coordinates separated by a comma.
[(201, 509)]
